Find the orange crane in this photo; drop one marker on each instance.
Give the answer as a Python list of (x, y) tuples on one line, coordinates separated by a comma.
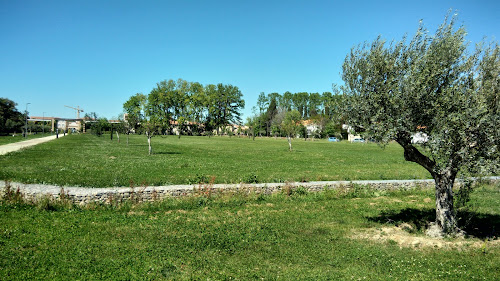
[(78, 110)]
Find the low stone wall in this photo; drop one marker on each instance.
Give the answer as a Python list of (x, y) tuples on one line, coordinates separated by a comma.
[(81, 195)]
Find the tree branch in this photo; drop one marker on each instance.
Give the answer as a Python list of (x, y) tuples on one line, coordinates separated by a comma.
[(412, 154)]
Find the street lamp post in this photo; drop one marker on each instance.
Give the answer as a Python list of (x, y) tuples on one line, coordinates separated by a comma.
[(43, 123), (26, 122)]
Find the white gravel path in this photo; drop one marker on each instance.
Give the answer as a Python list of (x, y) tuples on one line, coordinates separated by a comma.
[(11, 147)]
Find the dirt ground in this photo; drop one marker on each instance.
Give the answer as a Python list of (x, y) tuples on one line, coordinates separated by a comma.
[(402, 236)]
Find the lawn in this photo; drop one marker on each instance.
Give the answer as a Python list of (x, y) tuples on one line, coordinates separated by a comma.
[(303, 236), (19, 137), (87, 160)]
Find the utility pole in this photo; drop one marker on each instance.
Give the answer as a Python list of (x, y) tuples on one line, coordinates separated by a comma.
[(26, 122)]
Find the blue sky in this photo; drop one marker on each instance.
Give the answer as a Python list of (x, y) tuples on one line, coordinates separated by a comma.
[(96, 54)]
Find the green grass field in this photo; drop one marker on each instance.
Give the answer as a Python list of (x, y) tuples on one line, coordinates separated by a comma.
[(247, 237), (87, 160), (19, 137)]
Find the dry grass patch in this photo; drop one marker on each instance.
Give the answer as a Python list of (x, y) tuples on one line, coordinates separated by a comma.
[(401, 236)]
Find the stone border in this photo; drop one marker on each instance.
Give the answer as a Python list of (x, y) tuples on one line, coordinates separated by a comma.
[(83, 195)]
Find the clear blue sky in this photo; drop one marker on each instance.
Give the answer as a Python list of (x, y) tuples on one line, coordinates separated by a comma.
[(96, 54)]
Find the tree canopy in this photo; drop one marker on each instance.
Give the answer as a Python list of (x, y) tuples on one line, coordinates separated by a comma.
[(321, 109), (433, 85), (134, 108), (11, 120), (189, 105), (224, 104)]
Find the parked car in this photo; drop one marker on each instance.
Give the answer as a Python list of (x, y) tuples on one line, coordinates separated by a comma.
[(358, 140), (333, 139)]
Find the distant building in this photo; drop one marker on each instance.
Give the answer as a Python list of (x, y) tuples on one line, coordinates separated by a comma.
[(311, 127), (351, 133), (63, 124)]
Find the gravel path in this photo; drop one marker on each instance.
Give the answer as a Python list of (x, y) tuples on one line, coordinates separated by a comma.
[(6, 148)]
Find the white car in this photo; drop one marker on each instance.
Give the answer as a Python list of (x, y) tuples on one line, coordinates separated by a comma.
[(358, 140)]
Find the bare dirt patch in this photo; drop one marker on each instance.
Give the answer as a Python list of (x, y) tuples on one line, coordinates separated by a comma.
[(401, 236)]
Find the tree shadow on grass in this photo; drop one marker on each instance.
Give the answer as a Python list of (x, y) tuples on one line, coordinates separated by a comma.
[(475, 224)]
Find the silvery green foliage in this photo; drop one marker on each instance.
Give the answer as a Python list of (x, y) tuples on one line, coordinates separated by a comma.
[(431, 84)]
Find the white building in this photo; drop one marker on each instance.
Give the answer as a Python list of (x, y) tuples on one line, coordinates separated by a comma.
[(419, 138)]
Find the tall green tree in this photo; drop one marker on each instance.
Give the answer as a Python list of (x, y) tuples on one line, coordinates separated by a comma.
[(314, 104), (198, 104), (286, 101), (181, 103), (272, 110), (162, 105), (433, 85), (11, 120), (301, 103), (262, 102), (159, 109), (276, 97), (134, 109), (225, 103), (252, 123)]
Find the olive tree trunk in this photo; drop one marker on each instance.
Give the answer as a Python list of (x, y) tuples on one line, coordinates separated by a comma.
[(289, 142), (446, 222)]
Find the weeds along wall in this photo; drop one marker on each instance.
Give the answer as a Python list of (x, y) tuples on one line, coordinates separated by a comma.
[(80, 195)]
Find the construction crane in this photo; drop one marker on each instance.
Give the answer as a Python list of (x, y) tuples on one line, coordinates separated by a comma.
[(78, 110)]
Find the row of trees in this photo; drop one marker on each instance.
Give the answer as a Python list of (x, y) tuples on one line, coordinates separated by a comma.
[(274, 111), (308, 105), (190, 107)]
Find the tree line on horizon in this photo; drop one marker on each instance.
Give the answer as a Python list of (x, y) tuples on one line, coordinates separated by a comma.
[(183, 103), (275, 113), (190, 107)]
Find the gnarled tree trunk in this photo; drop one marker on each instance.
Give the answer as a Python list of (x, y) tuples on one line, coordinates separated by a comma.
[(446, 222), (445, 214)]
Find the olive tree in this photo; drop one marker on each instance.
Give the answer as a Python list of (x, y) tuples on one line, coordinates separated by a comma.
[(290, 125), (433, 85)]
